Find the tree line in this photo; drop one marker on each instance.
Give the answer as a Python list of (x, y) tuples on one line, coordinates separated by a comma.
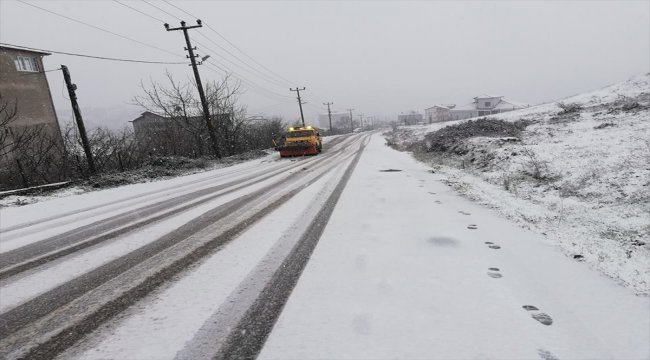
[(41, 154)]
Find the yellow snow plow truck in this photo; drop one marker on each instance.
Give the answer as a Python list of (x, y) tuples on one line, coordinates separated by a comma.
[(299, 141)]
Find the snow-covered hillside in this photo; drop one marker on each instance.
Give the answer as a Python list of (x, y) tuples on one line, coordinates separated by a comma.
[(580, 176)]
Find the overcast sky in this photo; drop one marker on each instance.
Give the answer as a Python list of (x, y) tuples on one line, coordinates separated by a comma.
[(379, 57)]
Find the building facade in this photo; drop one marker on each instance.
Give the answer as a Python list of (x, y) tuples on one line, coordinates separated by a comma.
[(32, 150), (482, 105), (23, 84)]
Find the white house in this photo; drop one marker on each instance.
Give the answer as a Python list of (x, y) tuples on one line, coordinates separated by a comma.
[(481, 106)]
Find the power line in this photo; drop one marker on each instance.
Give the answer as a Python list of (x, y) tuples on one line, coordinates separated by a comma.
[(289, 82), (94, 56), (245, 81), (222, 67), (160, 9), (216, 54), (141, 12), (97, 28), (233, 45), (262, 75)]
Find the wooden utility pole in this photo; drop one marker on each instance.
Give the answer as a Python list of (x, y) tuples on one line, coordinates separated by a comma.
[(80, 122), (351, 124), (199, 85), (329, 113), (302, 117)]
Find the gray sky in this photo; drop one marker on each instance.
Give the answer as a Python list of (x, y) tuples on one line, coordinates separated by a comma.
[(379, 57)]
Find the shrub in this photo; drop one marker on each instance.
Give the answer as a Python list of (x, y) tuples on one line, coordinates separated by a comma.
[(569, 108), (448, 137)]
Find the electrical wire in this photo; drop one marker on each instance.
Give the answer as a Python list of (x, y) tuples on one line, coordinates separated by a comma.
[(266, 77), (141, 12), (291, 83), (96, 57), (160, 9), (97, 28), (262, 75), (231, 62), (212, 66), (222, 67)]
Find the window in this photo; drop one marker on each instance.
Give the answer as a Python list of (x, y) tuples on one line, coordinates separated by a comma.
[(24, 63), (488, 104)]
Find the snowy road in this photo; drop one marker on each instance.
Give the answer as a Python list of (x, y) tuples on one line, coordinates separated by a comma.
[(202, 267)]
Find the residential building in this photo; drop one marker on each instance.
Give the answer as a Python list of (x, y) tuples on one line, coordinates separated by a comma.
[(161, 135), (482, 105), (23, 84)]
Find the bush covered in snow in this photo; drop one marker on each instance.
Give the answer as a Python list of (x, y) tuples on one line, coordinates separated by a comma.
[(448, 138)]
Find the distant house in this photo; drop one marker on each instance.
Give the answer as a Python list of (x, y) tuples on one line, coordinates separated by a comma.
[(23, 84), (482, 105), (161, 135), (412, 118)]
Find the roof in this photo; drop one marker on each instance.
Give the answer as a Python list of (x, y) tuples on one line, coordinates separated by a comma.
[(24, 50), (446, 107), (507, 104), (466, 107), (487, 96)]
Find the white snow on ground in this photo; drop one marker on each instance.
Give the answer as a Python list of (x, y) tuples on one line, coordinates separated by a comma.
[(56, 273), (150, 330), (596, 200), (105, 207), (398, 275), (10, 216)]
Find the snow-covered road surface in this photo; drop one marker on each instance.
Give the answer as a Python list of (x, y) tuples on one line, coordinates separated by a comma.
[(202, 267)]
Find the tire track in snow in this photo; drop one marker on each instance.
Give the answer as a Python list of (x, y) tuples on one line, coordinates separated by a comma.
[(46, 324), (43, 251), (248, 337)]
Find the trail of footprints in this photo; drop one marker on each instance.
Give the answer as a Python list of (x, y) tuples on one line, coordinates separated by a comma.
[(495, 273)]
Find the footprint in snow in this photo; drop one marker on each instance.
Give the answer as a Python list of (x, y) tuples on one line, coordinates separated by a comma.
[(494, 273), (464, 213), (432, 193), (438, 202), (546, 355), (539, 316), (496, 247), (472, 226)]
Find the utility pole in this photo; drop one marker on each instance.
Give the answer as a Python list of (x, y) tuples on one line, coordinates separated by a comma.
[(199, 85), (329, 113), (351, 124), (80, 122), (302, 117)]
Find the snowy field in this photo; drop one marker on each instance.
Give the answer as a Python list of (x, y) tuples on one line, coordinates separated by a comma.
[(593, 195)]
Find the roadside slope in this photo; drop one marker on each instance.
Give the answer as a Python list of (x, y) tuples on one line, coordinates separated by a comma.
[(578, 175)]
